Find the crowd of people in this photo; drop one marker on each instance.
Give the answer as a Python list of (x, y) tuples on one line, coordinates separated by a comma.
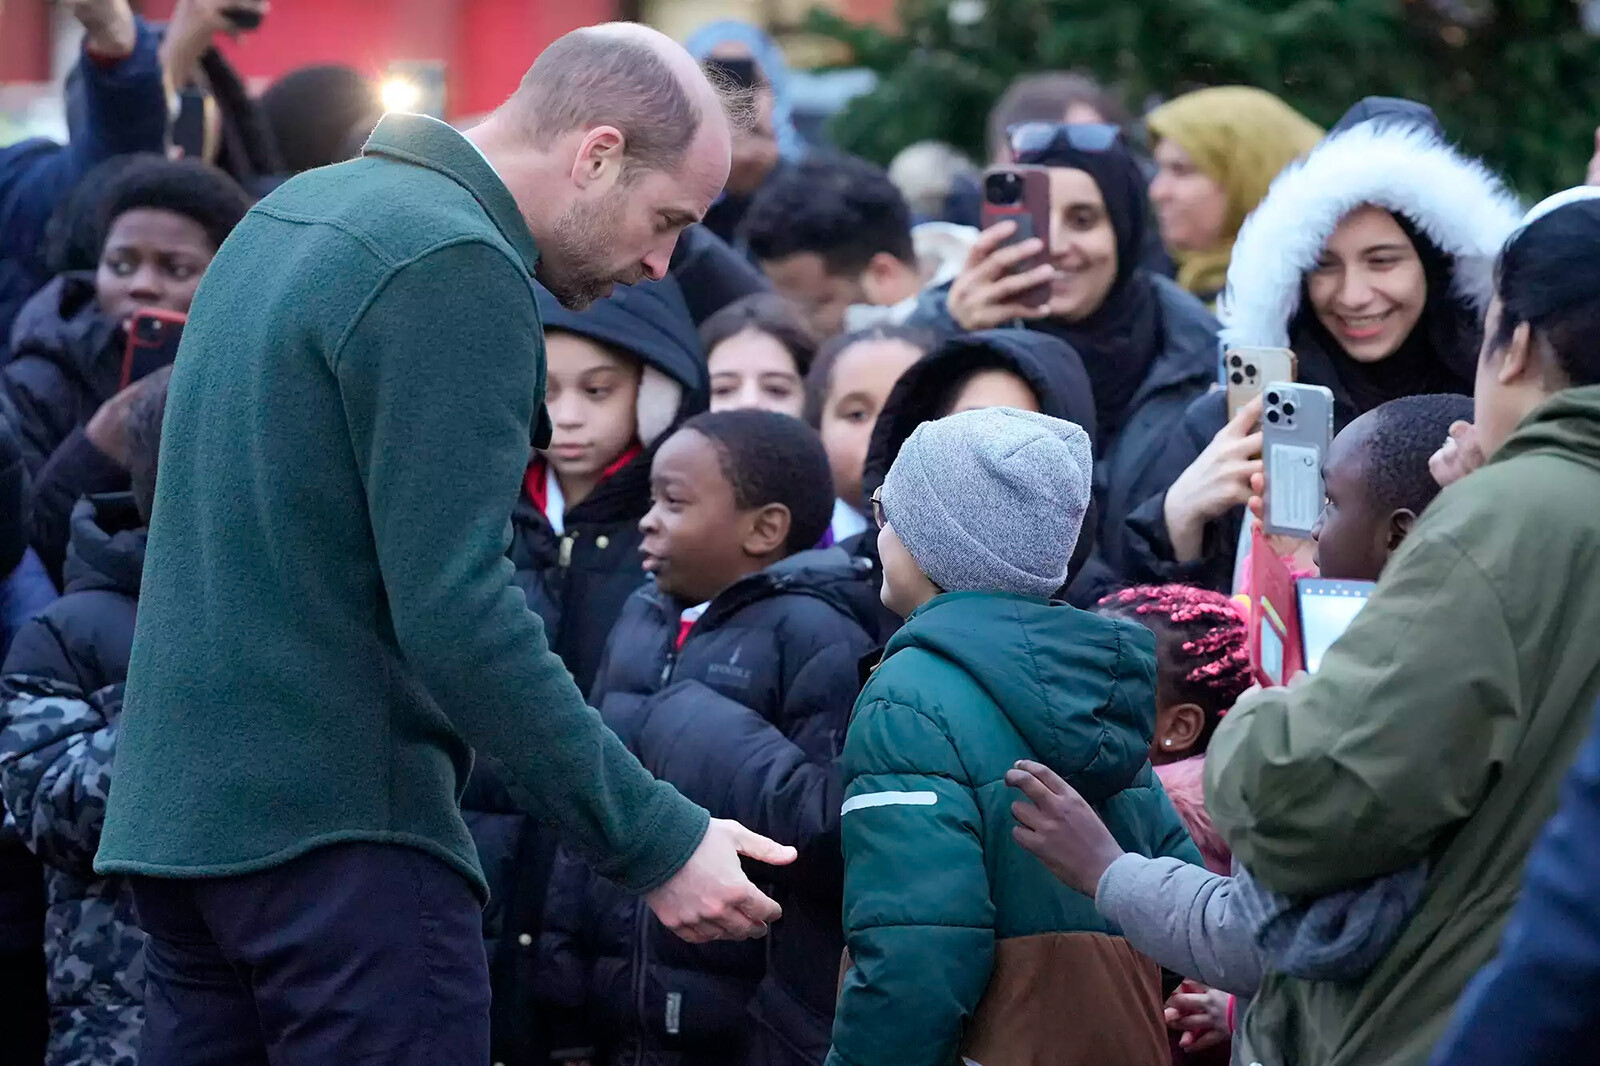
[(850, 538)]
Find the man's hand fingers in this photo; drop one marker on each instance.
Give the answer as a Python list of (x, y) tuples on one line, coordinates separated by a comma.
[(757, 905), (1031, 787), (1027, 815), (755, 846)]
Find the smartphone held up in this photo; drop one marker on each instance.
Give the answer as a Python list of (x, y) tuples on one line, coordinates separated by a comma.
[(1296, 433), (1021, 195)]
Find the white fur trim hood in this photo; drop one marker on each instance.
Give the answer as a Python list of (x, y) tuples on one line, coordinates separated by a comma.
[(1457, 202)]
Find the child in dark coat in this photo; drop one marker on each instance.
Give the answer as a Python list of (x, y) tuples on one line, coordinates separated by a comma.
[(732, 676), (58, 736)]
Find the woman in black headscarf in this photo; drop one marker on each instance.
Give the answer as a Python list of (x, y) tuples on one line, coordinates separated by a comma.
[(1148, 346), (1370, 259)]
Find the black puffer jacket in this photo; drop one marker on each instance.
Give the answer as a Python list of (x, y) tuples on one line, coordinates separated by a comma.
[(746, 718), (578, 583), (711, 274), (1051, 369), (85, 637), (579, 580)]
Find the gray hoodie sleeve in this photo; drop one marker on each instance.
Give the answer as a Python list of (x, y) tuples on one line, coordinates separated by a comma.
[(1183, 917)]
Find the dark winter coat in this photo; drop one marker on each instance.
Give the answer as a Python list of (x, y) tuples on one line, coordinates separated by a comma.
[(1539, 1000), (84, 638), (1128, 464), (56, 751), (1459, 213), (746, 718), (121, 108), (577, 583), (1051, 369), (66, 362), (579, 580)]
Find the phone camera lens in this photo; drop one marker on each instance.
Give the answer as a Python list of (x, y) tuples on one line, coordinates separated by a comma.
[(1288, 410), (1272, 416), (1274, 399), (1234, 361), (1238, 378), (1250, 370), (1003, 187)]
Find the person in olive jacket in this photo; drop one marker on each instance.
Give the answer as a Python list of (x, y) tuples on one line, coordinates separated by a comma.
[(961, 943)]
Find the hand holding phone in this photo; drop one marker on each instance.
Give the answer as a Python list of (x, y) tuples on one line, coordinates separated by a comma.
[(1008, 272), (1296, 433)]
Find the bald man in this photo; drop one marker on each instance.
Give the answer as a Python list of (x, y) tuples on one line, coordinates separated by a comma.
[(328, 633)]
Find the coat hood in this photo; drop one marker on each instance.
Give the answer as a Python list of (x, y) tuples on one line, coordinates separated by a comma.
[(1568, 425), (107, 546), (1078, 687), (62, 323), (651, 322), (1401, 166), (1049, 366), (1389, 109)]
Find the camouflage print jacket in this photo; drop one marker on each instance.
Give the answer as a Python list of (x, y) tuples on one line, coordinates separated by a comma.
[(56, 747)]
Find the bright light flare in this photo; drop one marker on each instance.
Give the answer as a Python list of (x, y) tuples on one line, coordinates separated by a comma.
[(400, 94)]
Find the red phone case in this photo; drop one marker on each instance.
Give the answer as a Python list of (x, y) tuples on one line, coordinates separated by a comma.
[(1275, 647), (153, 337), (1032, 217)]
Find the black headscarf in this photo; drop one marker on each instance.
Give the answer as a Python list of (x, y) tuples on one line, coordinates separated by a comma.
[(1438, 356), (1120, 341)]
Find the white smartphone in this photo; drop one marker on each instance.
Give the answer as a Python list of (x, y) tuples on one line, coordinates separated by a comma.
[(1296, 432), (1247, 370)]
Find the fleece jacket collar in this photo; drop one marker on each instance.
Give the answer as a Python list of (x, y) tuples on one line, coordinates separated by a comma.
[(427, 142)]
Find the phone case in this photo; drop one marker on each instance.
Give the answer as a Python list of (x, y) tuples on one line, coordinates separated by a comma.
[(1296, 431), (1032, 216), (1275, 648), (153, 339), (1247, 371)]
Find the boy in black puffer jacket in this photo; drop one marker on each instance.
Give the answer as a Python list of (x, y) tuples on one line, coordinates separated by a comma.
[(620, 375), (732, 676)]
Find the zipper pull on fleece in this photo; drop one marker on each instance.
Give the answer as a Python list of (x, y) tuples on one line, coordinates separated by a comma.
[(565, 557)]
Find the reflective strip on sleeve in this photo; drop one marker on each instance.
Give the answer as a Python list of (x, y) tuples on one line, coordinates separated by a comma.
[(889, 799)]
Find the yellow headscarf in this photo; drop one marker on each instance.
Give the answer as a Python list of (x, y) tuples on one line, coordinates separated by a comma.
[(1241, 137)]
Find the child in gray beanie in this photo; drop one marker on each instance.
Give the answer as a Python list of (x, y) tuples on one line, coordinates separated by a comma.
[(961, 942), (991, 500)]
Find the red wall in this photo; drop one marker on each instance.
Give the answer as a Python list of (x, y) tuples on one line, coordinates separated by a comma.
[(486, 44)]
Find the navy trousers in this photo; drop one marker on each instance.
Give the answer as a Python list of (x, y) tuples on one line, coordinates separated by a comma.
[(351, 954)]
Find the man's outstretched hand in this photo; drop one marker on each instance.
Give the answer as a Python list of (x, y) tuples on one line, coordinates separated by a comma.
[(1060, 828), (711, 898)]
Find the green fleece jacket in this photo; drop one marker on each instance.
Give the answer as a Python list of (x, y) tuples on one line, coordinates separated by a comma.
[(962, 941), (1439, 727), (327, 626)]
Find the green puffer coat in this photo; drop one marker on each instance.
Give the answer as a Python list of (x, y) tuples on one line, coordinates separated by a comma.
[(962, 943)]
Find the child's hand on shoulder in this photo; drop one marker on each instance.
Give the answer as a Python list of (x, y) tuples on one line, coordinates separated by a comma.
[(1060, 828)]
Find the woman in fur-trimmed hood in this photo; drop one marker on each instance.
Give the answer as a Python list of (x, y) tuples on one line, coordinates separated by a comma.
[(1371, 259)]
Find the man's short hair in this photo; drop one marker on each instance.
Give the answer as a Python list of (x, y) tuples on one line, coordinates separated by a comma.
[(839, 207), (1405, 433), (590, 78)]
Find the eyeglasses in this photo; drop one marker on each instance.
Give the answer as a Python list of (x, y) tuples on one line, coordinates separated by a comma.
[(878, 517), (1037, 138)]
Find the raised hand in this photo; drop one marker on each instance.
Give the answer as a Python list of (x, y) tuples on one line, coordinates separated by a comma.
[(1215, 483), (1060, 828), (985, 293)]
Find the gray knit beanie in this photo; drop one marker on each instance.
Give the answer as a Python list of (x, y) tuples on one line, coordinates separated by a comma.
[(991, 500)]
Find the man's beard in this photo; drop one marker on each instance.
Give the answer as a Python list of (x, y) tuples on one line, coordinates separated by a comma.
[(574, 268)]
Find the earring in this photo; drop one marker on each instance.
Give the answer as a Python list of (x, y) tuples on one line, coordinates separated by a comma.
[(1167, 742)]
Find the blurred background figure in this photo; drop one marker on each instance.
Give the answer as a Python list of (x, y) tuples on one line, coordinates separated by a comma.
[(1054, 96), (320, 115), (939, 183), (1218, 151)]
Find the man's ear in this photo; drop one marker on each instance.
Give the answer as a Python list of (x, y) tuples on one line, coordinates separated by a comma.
[(1400, 524), (886, 280), (769, 531), (599, 155)]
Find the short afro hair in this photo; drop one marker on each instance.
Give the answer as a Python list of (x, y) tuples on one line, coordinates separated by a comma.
[(771, 458), (185, 187), (839, 207), (764, 312), (1403, 437)]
